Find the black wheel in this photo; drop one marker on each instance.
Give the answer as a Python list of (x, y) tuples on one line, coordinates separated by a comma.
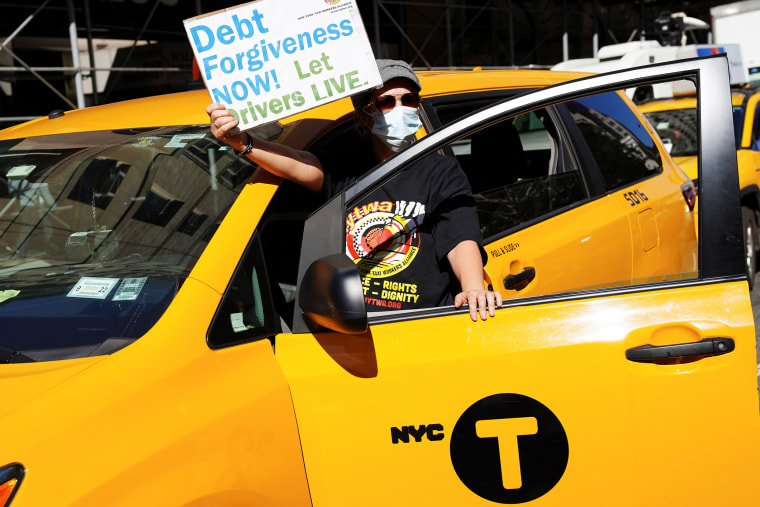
[(749, 226)]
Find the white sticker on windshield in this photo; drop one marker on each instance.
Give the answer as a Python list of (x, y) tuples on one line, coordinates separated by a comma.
[(5, 295), (129, 289), (177, 141), (92, 288)]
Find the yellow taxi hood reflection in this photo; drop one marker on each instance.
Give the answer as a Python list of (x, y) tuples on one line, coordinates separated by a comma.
[(23, 382), (184, 108), (689, 165), (189, 108)]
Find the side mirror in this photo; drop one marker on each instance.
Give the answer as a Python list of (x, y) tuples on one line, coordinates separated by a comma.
[(331, 295)]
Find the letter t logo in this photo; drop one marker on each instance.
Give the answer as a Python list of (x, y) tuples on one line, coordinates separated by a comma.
[(507, 431)]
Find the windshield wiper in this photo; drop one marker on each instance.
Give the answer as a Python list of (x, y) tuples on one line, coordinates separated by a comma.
[(12, 356)]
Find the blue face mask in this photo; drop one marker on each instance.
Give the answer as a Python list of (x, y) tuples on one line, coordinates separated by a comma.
[(396, 128)]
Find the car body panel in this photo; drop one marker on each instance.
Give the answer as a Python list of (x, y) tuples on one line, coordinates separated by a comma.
[(184, 108), (663, 229), (534, 351), (167, 413), (566, 241), (24, 382)]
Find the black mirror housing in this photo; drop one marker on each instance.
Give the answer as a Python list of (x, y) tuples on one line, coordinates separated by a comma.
[(331, 295)]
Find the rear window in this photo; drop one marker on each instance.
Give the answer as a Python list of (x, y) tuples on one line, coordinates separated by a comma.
[(620, 143), (677, 129), (99, 230)]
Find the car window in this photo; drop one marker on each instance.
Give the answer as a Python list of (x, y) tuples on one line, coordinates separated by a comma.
[(282, 233), (678, 129), (620, 144), (449, 109), (99, 230), (541, 229), (247, 310), (518, 171)]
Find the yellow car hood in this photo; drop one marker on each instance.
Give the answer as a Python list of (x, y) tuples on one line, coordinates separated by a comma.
[(23, 382)]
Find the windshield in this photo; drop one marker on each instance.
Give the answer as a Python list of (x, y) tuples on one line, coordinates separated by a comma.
[(98, 231), (678, 127)]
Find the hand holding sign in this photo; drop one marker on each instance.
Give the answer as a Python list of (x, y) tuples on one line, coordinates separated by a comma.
[(266, 60)]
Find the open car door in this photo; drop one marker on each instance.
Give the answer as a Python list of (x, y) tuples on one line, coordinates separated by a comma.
[(643, 392)]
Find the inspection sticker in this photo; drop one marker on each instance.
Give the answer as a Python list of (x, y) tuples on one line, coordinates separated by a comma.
[(129, 289), (92, 288)]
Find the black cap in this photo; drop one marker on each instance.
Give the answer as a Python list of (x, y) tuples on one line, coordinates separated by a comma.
[(389, 69)]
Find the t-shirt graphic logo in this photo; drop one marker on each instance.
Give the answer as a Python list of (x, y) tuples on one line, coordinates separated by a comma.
[(381, 242), (376, 238)]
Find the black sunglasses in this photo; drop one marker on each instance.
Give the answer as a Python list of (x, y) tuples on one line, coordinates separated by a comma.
[(385, 103)]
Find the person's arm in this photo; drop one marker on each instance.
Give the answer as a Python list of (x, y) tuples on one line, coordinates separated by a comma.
[(297, 166), (467, 264)]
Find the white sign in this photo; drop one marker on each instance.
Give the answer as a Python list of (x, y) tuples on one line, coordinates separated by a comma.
[(92, 288), (269, 59)]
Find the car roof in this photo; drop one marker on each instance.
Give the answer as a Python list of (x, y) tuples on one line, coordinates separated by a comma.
[(189, 108)]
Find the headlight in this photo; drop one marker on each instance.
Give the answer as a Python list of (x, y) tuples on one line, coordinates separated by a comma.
[(10, 479)]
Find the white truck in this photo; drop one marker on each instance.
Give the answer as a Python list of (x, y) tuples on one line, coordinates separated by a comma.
[(673, 29), (737, 23)]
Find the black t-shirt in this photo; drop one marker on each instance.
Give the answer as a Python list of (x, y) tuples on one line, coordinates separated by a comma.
[(400, 234)]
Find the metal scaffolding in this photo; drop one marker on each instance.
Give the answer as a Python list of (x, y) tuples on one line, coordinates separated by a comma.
[(426, 33), (76, 69)]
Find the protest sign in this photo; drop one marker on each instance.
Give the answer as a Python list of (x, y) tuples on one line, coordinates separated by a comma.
[(269, 59)]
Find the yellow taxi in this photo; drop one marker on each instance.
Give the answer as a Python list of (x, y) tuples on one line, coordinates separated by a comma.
[(180, 327), (676, 122)]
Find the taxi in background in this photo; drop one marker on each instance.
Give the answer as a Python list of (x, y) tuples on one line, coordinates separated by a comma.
[(676, 122), (180, 327)]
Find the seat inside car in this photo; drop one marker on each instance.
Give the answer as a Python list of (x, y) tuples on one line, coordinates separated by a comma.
[(496, 157)]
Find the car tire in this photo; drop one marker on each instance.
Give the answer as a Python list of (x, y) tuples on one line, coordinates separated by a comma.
[(749, 226)]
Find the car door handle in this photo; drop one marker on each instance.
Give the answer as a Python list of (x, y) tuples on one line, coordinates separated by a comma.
[(704, 348), (520, 280)]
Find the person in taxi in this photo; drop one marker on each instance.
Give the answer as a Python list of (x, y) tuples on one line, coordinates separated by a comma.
[(416, 240)]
